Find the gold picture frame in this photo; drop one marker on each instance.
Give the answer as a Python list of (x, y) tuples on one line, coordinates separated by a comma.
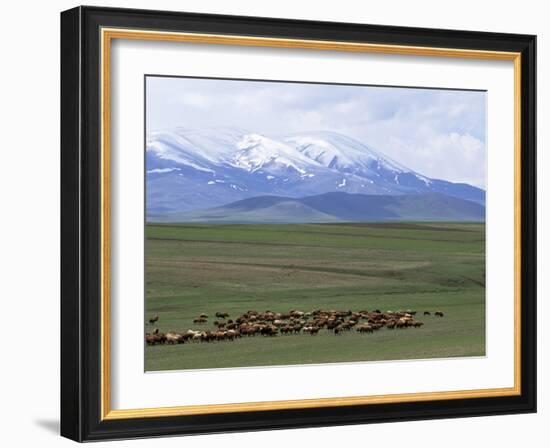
[(106, 32)]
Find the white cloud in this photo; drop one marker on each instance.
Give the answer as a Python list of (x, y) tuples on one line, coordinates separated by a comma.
[(195, 100)]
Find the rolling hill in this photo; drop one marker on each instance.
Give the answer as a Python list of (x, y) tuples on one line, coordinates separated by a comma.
[(335, 207)]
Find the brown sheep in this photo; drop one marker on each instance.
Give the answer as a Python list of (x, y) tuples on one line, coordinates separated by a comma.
[(230, 335), (311, 330), (197, 337), (271, 323), (174, 338), (208, 336), (402, 323), (365, 328), (155, 338), (269, 330)]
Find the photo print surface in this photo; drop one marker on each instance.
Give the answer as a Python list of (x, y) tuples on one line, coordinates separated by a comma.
[(293, 223)]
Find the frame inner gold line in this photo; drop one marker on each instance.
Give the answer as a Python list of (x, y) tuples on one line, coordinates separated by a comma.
[(107, 35)]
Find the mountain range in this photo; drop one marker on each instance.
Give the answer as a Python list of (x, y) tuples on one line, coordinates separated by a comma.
[(212, 169)]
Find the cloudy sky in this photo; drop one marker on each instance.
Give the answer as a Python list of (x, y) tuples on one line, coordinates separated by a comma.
[(438, 133)]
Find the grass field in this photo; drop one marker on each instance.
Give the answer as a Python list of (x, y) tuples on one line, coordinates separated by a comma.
[(193, 269)]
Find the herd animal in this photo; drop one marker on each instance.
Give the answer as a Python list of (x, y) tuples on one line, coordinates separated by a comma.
[(270, 324)]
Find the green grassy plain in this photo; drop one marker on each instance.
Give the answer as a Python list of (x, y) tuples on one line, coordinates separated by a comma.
[(195, 268)]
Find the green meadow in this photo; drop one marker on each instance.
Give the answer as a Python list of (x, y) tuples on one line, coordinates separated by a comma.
[(195, 268)]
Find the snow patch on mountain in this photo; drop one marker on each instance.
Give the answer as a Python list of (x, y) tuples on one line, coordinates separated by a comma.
[(257, 152), (162, 170), (338, 151), (168, 149), (427, 181)]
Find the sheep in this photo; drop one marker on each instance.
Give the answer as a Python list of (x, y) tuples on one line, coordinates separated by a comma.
[(269, 330), (155, 338), (402, 323), (197, 337), (231, 335), (150, 339), (174, 338), (270, 323), (208, 336), (312, 330), (220, 335)]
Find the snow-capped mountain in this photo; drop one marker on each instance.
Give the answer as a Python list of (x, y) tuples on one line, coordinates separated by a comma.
[(199, 169)]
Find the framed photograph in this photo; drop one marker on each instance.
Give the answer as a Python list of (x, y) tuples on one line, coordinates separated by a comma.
[(273, 223)]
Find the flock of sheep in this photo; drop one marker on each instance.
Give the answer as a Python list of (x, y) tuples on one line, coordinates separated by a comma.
[(269, 323)]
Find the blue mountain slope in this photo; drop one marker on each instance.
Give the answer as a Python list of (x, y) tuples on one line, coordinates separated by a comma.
[(335, 207)]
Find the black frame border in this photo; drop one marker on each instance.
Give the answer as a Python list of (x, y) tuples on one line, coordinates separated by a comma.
[(81, 223)]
